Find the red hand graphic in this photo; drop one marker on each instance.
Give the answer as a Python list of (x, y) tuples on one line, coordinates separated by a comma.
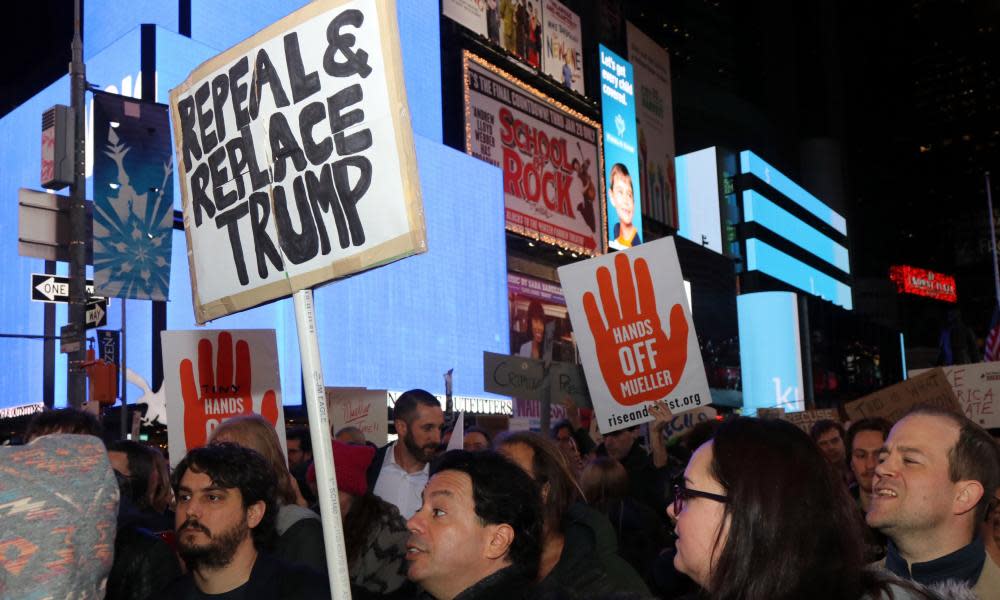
[(217, 397), (638, 361)]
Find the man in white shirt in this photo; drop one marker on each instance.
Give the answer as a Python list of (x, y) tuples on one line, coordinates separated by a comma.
[(399, 471)]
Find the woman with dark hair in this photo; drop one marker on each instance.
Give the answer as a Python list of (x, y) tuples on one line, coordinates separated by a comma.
[(579, 547), (761, 516), (536, 329), (374, 532), (641, 533)]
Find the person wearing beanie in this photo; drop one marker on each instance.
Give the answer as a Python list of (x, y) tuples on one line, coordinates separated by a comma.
[(375, 533)]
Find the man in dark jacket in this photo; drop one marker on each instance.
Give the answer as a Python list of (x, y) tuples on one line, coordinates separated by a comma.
[(478, 533), (226, 509), (646, 483)]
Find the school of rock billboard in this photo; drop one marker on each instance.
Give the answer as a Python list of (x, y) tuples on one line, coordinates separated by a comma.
[(550, 156)]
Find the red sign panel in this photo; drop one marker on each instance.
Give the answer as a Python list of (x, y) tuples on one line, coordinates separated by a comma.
[(921, 282)]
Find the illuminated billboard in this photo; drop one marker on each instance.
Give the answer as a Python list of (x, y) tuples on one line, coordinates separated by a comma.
[(767, 259), (698, 216), (549, 154), (758, 209), (621, 154), (921, 282), (770, 352), (755, 165)]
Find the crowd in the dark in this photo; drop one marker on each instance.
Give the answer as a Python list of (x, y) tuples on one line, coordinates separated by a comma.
[(737, 508)]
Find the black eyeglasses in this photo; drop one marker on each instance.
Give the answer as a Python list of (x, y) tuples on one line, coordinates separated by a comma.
[(682, 493)]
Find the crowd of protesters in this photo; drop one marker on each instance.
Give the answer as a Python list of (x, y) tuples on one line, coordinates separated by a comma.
[(740, 508)]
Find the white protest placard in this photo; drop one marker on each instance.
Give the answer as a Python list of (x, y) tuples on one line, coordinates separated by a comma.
[(635, 334), (683, 423), (368, 410), (977, 387), (211, 375), (295, 157)]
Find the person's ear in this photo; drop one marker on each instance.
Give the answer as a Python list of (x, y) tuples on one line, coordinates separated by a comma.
[(967, 496), (255, 513), (401, 428), (500, 540)]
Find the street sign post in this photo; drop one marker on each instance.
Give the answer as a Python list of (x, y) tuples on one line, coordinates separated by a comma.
[(54, 288)]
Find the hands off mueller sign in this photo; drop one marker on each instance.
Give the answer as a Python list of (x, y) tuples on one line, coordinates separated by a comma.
[(635, 334), (296, 157)]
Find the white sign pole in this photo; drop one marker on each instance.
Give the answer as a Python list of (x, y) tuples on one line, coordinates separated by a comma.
[(319, 430)]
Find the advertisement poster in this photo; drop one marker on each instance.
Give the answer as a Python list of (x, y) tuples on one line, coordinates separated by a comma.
[(368, 410), (520, 28), (212, 375), (133, 198), (635, 334), (474, 15), (654, 116), (534, 304), (977, 387), (562, 45), (550, 156), (295, 156), (621, 156), (770, 352)]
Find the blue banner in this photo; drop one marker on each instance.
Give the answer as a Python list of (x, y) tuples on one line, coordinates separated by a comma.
[(621, 157), (133, 198)]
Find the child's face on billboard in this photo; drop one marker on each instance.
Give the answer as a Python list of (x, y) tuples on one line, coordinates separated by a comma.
[(621, 198)]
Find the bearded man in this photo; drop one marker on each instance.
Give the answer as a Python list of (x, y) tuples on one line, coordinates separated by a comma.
[(399, 471), (226, 510)]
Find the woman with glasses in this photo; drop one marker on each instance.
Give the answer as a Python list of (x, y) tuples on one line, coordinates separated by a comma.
[(760, 515)]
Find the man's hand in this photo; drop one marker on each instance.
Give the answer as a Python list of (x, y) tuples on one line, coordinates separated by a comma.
[(216, 397), (638, 361)]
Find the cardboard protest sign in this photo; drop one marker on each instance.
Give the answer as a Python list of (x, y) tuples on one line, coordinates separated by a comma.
[(682, 423), (635, 334), (368, 410), (213, 375), (295, 157), (770, 413), (930, 388), (976, 386), (807, 418)]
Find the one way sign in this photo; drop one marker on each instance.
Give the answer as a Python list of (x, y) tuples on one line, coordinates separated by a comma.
[(54, 288)]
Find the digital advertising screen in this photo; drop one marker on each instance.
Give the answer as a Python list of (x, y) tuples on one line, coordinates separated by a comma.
[(621, 154), (698, 217), (770, 351)]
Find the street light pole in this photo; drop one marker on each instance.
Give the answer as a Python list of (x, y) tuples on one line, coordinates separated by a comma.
[(76, 391)]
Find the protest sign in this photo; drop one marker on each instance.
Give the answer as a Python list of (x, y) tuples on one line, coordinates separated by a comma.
[(213, 375), (635, 334), (770, 413), (804, 420), (682, 423), (562, 45), (929, 388), (550, 156), (295, 157), (975, 386), (368, 410)]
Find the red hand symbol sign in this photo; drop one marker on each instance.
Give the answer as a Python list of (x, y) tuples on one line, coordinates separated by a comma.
[(638, 361), (217, 397)]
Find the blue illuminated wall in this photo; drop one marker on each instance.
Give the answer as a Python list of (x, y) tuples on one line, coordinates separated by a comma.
[(397, 327), (770, 354), (755, 165)]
